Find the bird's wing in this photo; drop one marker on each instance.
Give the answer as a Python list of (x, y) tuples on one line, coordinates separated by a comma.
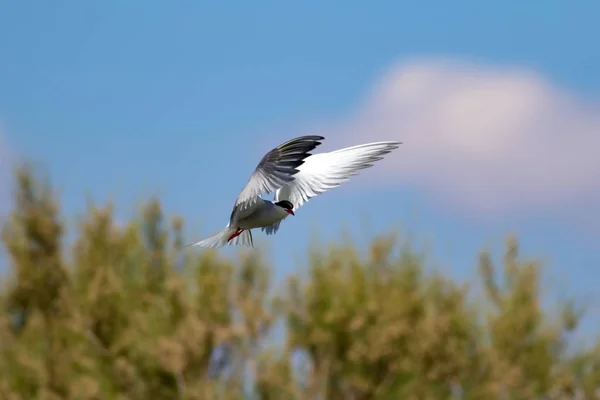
[(321, 172), (276, 169), (271, 229)]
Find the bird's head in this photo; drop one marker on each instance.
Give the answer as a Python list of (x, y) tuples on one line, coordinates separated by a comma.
[(287, 206)]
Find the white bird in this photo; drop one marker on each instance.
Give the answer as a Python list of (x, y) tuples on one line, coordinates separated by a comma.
[(296, 176)]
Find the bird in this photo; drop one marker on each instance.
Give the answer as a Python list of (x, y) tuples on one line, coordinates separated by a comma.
[(295, 175)]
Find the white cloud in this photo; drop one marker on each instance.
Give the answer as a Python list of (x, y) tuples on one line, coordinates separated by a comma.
[(493, 139)]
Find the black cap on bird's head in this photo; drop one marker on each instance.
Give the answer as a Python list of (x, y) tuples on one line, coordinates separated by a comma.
[(286, 205)]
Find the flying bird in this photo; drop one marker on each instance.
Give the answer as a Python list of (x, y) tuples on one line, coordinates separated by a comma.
[(295, 175)]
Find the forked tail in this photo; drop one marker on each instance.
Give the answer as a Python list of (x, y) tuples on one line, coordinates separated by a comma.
[(222, 239)]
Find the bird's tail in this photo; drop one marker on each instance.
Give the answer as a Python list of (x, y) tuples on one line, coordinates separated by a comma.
[(221, 239)]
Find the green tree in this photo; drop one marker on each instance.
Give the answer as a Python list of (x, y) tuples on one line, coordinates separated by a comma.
[(125, 313)]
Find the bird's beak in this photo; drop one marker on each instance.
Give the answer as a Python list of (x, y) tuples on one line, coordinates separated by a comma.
[(290, 212)]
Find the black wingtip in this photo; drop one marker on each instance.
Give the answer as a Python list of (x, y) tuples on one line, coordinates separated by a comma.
[(298, 149), (312, 137)]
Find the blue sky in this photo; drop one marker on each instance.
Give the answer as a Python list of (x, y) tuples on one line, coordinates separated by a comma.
[(126, 99)]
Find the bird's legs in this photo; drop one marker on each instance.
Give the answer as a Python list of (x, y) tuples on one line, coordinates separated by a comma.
[(236, 234)]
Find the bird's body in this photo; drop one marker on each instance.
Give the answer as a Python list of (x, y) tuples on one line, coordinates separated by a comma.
[(295, 176), (264, 213)]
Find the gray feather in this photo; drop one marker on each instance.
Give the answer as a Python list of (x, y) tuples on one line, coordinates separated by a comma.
[(276, 169)]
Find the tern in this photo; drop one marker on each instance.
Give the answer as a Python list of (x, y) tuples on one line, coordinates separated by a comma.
[(295, 175)]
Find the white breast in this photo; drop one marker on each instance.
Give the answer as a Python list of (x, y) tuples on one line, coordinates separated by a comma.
[(265, 215)]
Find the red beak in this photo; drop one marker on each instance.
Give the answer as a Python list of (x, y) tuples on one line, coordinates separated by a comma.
[(290, 212)]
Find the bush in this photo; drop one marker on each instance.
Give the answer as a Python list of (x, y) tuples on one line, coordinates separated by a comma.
[(125, 313)]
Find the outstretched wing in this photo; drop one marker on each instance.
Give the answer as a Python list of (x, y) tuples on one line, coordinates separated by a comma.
[(321, 172), (276, 169), (271, 229)]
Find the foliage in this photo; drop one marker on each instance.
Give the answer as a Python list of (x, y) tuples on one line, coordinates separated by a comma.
[(126, 313)]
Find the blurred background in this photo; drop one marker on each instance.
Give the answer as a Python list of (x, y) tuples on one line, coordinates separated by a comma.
[(463, 266)]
